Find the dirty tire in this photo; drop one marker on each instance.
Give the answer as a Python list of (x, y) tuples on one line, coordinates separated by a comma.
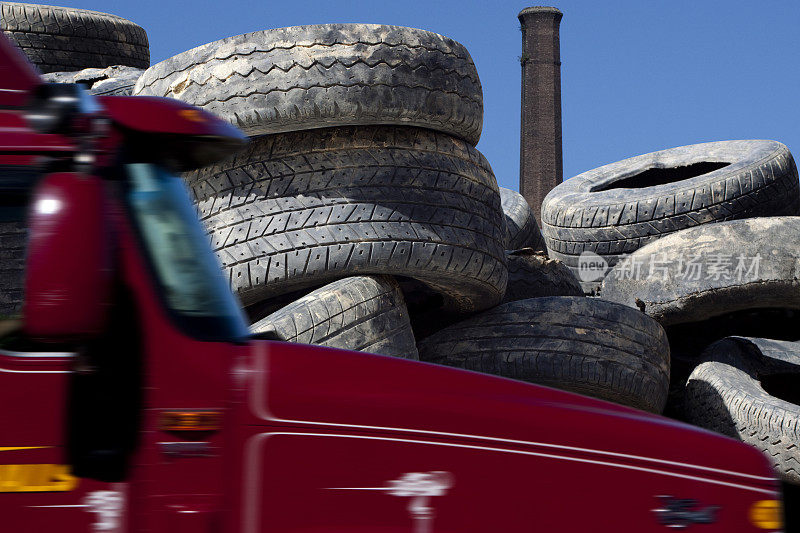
[(578, 344), (532, 275), (298, 210), (730, 393), (117, 80), (13, 239), (362, 313), (741, 264), (616, 209), (522, 231), (307, 77), (60, 39)]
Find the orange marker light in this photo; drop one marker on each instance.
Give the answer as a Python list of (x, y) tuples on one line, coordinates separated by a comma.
[(190, 420), (192, 114), (767, 514)]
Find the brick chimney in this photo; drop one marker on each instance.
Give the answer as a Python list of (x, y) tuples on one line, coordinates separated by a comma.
[(540, 160)]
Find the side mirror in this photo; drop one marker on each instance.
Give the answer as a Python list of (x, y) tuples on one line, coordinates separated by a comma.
[(68, 271)]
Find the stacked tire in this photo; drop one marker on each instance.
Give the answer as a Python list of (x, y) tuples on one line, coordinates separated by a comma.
[(361, 216), (704, 240), (105, 52), (361, 169)]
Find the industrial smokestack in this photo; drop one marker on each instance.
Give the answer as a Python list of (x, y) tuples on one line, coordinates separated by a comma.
[(540, 160)]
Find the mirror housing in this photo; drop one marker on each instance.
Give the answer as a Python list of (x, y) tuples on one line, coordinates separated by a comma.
[(68, 271), (170, 132)]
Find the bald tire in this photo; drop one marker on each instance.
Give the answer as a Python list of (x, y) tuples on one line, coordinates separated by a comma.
[(728, 393), (299, 210), (522, 231), (578, 344), (361, 313), (59, 39), (116, 80), (618, 208), (326, 75), (531, 274)]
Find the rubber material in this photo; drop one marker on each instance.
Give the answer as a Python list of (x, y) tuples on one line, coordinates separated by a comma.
[(522, 231), (578, 344), (363, 313), (13, 237), (532, 275), (726, 394), (307, 77), (299, 210), (592, 213), (60, 39), (712, 270), (117, 80)]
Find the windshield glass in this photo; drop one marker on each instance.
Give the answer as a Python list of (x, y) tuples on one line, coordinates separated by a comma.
[(190, 278)]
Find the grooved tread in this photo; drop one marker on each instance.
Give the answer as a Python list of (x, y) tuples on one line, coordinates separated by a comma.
[(299, 209), (725, 394), (761, 180), (13, 242), (65, 39), (363, 313), (522, 231), (307, 77), (573, 343)]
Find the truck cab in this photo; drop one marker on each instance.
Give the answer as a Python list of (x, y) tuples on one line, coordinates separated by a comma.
[(134, 398)]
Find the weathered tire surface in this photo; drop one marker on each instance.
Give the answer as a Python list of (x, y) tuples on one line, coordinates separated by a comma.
[(664, 288), (301, 209), (59, 39), (532, 275), (522, 231), (616, 209), (13, 238), (117, 80), (362, 313), (578, 344), (306, 77), (730, 393)]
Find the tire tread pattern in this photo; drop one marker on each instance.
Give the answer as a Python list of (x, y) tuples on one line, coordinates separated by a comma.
[(64, 39), (578, 344)]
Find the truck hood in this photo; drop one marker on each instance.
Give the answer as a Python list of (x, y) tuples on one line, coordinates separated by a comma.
[(314, 387)]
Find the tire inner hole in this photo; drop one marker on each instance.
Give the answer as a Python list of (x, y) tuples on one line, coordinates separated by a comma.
[(783, 386), (661, 176)]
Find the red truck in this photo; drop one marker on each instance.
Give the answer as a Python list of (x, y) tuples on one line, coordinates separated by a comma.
[(134, 399)]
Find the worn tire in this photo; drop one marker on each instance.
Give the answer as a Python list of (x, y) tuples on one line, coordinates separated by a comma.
[(13, 240), (307, 77), (117, 80), (614, 210), (58, 39), (531, 274), (730, 393), (522, 231), (362, 313), (578, 344), (298, 210), (663, 285)]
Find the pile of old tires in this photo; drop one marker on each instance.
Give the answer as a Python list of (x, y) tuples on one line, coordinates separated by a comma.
[(705, 240), (105, 52), (361, 216)]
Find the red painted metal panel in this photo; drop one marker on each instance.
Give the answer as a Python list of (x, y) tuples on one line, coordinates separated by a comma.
[(68, 270)]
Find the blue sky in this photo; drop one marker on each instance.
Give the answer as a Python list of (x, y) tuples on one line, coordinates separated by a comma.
[(637, 75)]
